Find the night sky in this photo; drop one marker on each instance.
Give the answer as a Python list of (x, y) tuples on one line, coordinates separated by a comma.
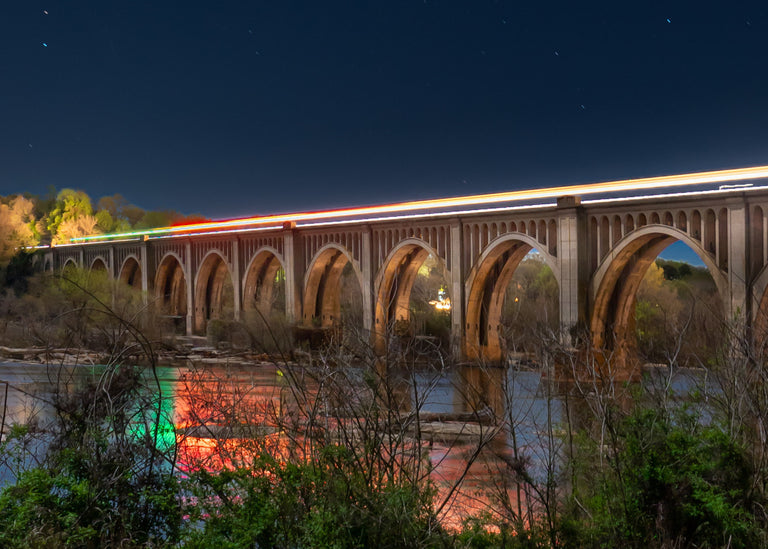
[(236, 108)]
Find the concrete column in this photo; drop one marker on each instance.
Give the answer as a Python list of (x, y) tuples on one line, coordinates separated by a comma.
[(144, 262), (237, 280), (294, 272), (717, 239), (366, 266), (190, 276), (458, 298), (112, 267), (574, 263), (611, 235), (738, 242), (112, 272), (81, 258)]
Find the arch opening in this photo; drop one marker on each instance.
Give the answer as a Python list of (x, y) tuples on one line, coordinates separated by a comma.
[(130, 274), (98, 265), (264, 287), (264, 304), (333, 300), (413, 305), (69, 265), (214, 293), (659, 301), (171, 291), (429, 309), (513, 304)]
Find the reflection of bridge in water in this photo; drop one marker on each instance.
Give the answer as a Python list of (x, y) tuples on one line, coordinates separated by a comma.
[(217, 416), (598, 250)]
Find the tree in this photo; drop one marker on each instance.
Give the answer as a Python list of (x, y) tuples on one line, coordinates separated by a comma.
[(113, 204), (107, 223), (167, 218), (68, 229), (132, 213), (104, 221), (154, 219), (687, 304), (17, 226), (71, 217), (668, 480), (18, 272), (116, 215)]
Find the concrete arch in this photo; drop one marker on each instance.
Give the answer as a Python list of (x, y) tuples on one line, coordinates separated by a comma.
[(394, 283), (98, 264), (616, 281), (485, 289), (210, 297), (69, 264), (322, 299), (171, 285), (130, 272), (259, 279), (760, 311)]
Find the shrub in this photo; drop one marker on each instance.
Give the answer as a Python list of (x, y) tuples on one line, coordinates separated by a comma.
[(670, 480)]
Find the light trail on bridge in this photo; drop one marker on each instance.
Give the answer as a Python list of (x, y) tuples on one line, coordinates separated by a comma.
[(271, 221)]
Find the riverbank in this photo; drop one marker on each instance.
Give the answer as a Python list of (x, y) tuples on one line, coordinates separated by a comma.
[(188, 349)]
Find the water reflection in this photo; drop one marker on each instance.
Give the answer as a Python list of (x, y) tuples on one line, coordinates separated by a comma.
[(476, 426)]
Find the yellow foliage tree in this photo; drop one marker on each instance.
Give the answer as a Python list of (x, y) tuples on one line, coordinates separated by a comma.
[(17, 226), (71, 217), (83, 225)]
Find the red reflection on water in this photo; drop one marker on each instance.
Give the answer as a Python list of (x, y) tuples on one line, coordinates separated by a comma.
[(228, 417)]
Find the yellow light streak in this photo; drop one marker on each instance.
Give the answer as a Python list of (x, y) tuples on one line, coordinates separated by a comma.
[(648, 183)]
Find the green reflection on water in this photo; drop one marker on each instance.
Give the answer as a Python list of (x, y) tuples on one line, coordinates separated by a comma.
[(155, 419)]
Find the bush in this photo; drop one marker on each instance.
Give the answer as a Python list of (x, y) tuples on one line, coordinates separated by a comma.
[(104, 482), (671, 481), (321, 502)]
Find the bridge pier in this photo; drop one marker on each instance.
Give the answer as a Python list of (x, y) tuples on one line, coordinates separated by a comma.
[(237, 281), (145, 269), (737, 246), (458, 275), (368, 281), (294, 278), (573, 257), (190, 287)]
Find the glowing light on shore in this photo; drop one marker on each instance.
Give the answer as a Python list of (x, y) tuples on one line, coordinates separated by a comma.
[(649, 183), (443, 302)]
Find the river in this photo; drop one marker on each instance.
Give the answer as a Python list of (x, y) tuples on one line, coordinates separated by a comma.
[(477, 428)]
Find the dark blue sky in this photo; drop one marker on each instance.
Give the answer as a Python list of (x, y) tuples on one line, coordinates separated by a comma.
[(237, 108)]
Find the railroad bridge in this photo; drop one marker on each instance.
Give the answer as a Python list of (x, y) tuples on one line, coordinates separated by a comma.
[(598, 249)]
